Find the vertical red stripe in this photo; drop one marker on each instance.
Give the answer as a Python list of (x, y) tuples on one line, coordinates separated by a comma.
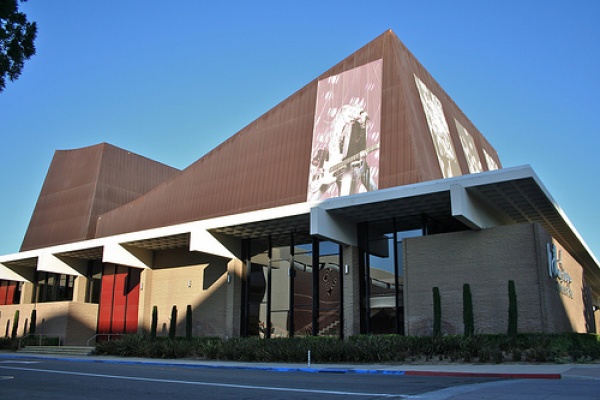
[(10, 292), (106, 299), (119, 300), (3, 293), (133, 298)]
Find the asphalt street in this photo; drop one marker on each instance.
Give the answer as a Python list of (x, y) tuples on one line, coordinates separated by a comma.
[(100, 378)]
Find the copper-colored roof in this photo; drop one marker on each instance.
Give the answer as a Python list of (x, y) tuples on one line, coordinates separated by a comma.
[(266, 163), (83, 184)]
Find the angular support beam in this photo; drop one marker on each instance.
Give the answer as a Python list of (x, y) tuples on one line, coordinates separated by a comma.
[(471, 211), (327, 226), (62, 265), (17, 273), (129, 256), (203, 241)]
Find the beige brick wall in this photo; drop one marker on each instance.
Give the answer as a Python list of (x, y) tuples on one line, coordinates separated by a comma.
[(487, 260), (74, 323), (179, 278)]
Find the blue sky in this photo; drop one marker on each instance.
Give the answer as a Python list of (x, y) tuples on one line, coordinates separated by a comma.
[(171, 80)]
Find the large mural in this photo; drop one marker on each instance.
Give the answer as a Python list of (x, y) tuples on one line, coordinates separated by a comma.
[(346, 133), (440, 133), (469, 148)]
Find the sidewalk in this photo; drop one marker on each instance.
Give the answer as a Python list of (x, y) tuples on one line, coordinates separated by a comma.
[(503, 371)]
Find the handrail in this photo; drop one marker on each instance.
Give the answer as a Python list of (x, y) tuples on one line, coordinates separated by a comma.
[(41, 336), (102, 334)]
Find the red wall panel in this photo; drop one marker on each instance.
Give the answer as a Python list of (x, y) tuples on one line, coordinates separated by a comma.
[(133, 298), (119, 300), (3, 292), (106, 299)]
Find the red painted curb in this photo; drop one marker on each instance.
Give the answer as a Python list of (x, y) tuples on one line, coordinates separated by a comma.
[(484, 375)]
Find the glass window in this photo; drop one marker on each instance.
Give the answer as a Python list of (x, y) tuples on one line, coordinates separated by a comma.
[(54, 287), (383, 272)]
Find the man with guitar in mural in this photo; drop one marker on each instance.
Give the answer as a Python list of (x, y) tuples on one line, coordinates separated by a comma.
[(344, 161)]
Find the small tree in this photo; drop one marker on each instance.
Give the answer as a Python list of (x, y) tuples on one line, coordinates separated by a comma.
[(512, 309), (188, 322), (17, 37), (173, 325), (154, 323), (33, 322), (437, 312), (15, 326), (468, 320)]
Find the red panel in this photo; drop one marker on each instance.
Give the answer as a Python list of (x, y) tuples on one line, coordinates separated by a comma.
[(106, 299), (3, 292), (119, 300), (133, 298), (10, 292)]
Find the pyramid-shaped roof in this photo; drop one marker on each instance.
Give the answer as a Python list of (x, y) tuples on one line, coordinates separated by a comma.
[(85, 183), (415, 133)]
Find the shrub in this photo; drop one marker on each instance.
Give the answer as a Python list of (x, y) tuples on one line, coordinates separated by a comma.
[(154, 323), (33, 323), (173, 324), (512, 309), (15, 326), (188, 322), (437, 312), (468, 320), (363, 348)]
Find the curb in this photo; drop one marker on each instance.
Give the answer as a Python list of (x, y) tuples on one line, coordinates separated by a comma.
[(532, 375)]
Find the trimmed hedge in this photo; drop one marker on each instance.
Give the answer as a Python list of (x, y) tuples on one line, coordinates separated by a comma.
[(367, 348)]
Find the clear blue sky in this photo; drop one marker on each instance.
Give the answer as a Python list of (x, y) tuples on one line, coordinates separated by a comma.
[(171, 80)]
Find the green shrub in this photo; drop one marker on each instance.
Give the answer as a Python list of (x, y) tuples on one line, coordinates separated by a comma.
[(188, 322), (173, 324), (363, 348), (15, 325), (468, 319), (32, 324), (512, 309), (437, 312), (154, 323)]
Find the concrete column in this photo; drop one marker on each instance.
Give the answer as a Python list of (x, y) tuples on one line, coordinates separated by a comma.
[(79, 288), (234, 298), (27, 293), (351, 293)]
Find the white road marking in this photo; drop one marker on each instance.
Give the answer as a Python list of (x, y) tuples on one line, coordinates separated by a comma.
[(19, 362), (223, 385)]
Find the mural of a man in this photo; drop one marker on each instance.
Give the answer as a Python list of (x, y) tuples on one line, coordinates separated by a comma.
[(345, 151)]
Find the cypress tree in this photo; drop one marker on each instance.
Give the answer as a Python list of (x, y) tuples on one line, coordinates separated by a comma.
[(173, 325), (188, 322), (154, 323), (15, 326), (512, 309), (437, 312), (33, 322), (468, 319)]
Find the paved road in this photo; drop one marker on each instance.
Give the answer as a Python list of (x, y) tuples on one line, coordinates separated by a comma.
[(96, 378), (56, 379)]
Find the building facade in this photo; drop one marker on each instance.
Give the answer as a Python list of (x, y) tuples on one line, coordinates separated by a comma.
[(335, 213)]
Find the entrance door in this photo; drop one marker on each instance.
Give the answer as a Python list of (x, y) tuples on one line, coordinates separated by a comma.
[(119, 299)]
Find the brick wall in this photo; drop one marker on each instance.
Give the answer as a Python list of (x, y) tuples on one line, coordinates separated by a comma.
[(487, 260), (182, 278)]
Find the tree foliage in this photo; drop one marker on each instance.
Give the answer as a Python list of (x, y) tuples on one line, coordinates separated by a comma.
[(17, 37)]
